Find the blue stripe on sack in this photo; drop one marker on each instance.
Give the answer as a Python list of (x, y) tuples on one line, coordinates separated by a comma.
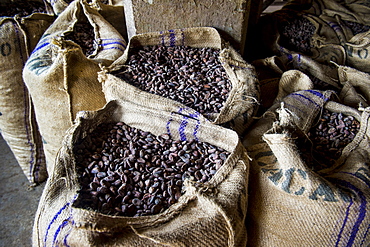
[(182, 129), (299, 64), (67, 234), (361, 215), (182, 126), (168, 125), (365, 235), (40, 46), (26, 114), (359, 176), (53, 220), (172, 37), (344, 223), (123, 41), (64, 223), (304, 97), (120, 42), (290, 57), (162, 37), (335, 26), (314, 92), (113, 43), (367, 182), (195, 132)]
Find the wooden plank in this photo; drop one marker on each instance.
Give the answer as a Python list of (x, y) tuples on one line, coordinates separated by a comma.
[(229, 17)]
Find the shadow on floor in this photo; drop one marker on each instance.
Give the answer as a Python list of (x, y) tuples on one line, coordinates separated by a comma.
[(18, 201)]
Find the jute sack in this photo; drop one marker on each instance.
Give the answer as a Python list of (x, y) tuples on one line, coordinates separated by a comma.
[(294, 72), (292, 205), (335, 15), (111, 10), (355, 90), (207, 214), (326, 74), (318, 41), (60, 5), (333, 35), (62, 80), (242, 101), (18, 36)]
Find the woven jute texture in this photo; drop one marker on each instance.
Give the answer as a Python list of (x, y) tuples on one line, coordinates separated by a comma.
[(19, 35), (332, 40), (62, 80), (242, 102), (111, 10), (207, 214), (289, 203)]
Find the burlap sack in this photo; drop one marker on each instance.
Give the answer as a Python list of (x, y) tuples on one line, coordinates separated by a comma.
[(242, 101), (332, 39), (18, 36), (355, 90), (111, 10), (334, 15), (62, 80), (209, 214), (270, 37), (276, 71), (60, 5), (293, 205)]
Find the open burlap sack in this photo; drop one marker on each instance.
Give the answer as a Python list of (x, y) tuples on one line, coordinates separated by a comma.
[(242, 101), (19, 35), (290, 203), (60, 5), (111, 10), (293, 31), (333, 38), (356, 84), (207, 214), (336, 16), (294, 72), (62, 80)]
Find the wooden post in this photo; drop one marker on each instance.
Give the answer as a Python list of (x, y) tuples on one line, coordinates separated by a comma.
[(229, 17)]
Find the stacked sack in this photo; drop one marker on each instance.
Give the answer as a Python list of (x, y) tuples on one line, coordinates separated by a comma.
[(309, 174), (134, 197), (22, 25), (62, 71), (144, 170), (187, 68)]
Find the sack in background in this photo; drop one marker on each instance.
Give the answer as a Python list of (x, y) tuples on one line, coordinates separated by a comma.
[(18, 36), (242, 102), (209, 214), (111, 10), (294, 72), (292, 203), (328, 31), (62, 80), (355, 91)]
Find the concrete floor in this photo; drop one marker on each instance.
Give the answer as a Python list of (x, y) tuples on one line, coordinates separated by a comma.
[(18, 202)]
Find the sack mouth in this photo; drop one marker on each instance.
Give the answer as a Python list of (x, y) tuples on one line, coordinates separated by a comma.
[(243, 94), (86, 122)]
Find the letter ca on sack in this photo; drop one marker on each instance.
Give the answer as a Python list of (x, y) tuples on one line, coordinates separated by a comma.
[(362, 53), (294, 181)]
